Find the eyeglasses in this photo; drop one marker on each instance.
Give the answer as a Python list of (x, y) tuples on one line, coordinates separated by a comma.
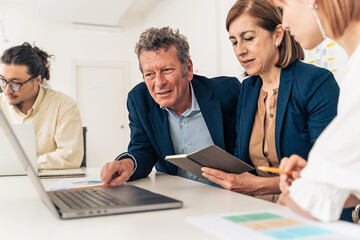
[(13, 85)]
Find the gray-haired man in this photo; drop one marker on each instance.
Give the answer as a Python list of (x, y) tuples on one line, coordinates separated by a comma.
[(173, 111)]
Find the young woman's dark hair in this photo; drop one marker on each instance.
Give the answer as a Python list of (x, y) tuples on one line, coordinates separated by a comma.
[(34, 58)]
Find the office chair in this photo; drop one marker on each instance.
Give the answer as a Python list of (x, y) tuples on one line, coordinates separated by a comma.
[(83, 163)]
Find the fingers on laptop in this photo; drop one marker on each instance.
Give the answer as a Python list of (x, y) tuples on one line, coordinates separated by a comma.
[(115, 173), (108, 171)]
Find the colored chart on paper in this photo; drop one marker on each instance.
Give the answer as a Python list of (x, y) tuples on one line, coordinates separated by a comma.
[(273, 224), (68, 183), (279, 227)]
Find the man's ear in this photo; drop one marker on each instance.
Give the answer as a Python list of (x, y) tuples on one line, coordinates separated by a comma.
[(38, 80), (190, 70)]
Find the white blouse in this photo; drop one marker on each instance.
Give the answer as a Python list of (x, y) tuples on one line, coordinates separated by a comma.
[(333, 169)]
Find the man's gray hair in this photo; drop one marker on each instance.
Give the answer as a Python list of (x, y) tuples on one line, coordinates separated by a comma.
[(154, 39)]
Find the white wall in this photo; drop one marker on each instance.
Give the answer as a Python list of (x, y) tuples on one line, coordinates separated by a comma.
[(68, 44)]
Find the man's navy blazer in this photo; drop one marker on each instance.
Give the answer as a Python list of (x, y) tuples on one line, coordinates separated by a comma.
[(306, 104), (150, 136)]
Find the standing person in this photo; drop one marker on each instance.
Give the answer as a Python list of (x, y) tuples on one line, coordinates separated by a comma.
[(330, 180), (283, 106), (173, 111), (58, 129)]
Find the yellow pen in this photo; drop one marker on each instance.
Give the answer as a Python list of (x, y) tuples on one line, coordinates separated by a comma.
[(271, 169)]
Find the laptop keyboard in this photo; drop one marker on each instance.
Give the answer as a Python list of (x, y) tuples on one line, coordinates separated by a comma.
[(84, 198)]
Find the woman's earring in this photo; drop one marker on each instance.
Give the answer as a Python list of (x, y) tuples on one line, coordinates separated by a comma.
[(276, 44), (317, 19)]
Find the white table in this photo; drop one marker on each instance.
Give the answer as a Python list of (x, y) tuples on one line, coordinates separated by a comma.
[(24, 216)]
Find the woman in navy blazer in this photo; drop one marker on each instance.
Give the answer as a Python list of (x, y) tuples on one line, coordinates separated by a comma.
[(304, 98)]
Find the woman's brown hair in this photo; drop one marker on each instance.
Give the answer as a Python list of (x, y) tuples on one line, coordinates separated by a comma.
[(268, 17)]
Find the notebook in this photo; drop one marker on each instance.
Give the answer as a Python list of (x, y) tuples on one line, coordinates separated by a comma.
[(62, 173), (9, 163), (211, 156), (78, 203)]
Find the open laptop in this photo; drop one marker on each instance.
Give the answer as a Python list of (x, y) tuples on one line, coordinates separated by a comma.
[(77, 203), (9, 163)]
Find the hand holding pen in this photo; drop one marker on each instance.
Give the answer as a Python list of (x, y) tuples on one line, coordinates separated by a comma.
[(289, 170), (292, 167)]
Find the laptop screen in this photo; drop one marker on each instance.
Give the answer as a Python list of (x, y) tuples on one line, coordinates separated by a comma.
[(7, 131), (9, 164)]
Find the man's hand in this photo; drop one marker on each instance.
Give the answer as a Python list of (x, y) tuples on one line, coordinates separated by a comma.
[(117, 172), (292, 167)]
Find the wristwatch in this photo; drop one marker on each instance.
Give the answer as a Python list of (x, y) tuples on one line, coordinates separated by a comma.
[(355, 214)]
